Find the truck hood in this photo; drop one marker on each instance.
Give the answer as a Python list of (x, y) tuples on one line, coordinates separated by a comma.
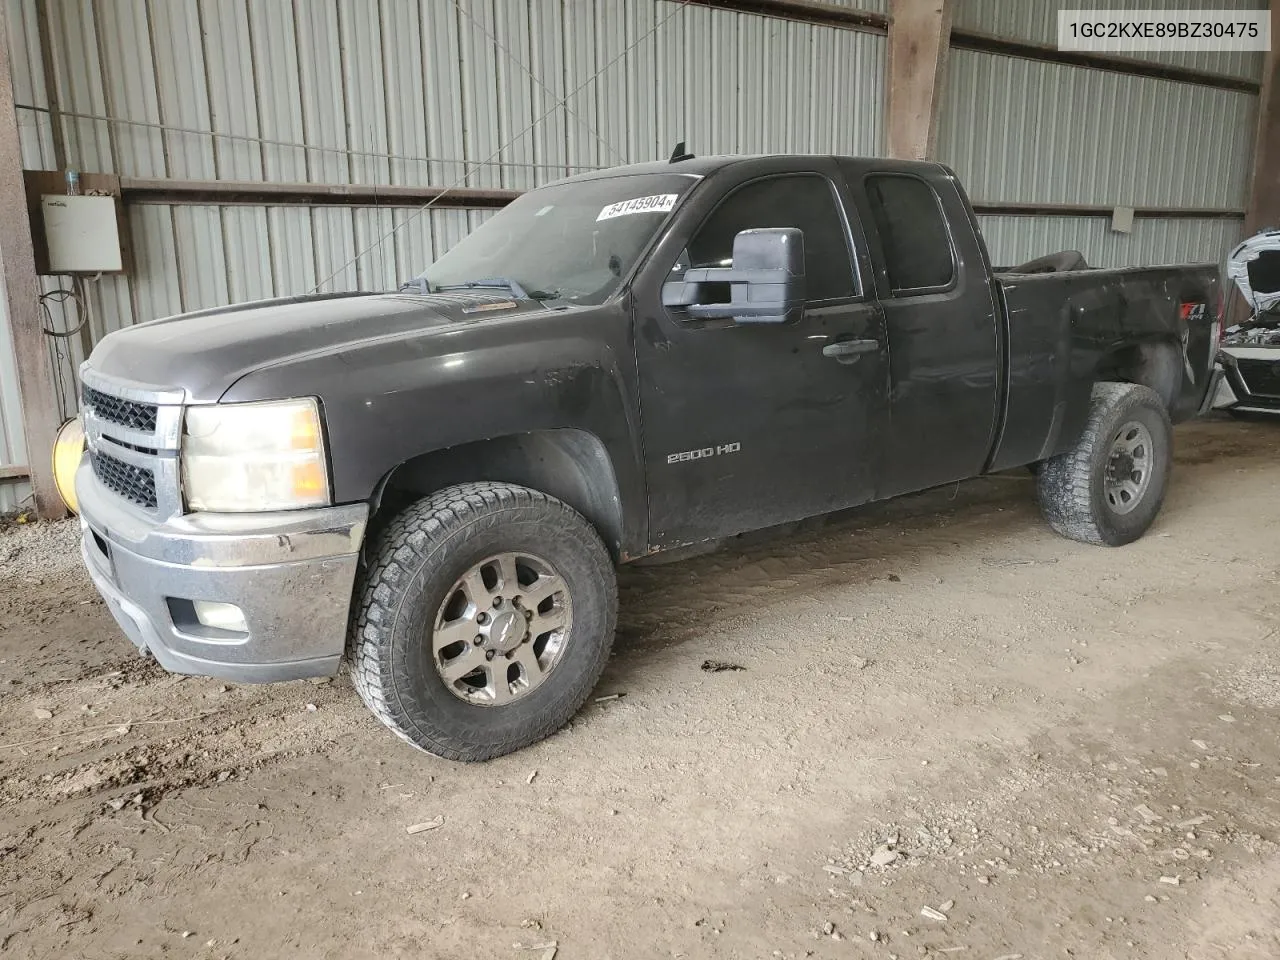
[(1255, 267), (206, 352)]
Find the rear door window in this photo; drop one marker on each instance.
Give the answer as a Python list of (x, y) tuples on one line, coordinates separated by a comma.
[(913, 233)]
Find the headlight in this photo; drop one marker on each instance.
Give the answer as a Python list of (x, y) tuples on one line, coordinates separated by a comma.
[(68, 448), (254, 456)]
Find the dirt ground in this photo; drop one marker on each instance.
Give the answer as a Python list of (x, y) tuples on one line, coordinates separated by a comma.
[(953, 735)]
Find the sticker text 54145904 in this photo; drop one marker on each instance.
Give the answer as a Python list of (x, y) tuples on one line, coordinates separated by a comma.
[(658, 203)]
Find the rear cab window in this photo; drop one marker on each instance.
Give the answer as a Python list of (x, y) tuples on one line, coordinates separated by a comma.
[(914, 238)]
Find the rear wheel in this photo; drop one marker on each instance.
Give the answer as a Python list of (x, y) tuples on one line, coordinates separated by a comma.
[(484, 620), (1109, 487)]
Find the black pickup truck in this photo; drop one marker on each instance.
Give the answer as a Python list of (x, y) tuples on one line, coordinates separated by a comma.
[(437, 483)]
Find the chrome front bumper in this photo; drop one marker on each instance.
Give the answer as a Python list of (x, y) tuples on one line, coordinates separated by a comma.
[(291, 574)]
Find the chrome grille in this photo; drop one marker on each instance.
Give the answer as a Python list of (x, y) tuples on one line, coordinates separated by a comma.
[(134, 434), (135, 484), (127, 413)]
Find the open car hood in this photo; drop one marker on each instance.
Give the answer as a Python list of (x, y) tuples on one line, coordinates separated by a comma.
[(1255, 267)]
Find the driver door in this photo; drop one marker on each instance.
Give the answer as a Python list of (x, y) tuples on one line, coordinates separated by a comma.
[(750, 425)]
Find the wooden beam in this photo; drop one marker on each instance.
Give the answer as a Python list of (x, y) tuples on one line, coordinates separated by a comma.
[(1263, 208), (259, 193), (57, 134), (1017, 208), (919, 32), (802, 11), (1264, 191), (18, 267), (223, 192), (14, 472), (1093, 60)]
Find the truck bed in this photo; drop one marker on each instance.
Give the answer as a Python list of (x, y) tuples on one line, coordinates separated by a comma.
[(1062, 328)]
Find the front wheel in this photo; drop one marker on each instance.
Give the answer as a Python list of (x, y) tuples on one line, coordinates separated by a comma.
[(483, 621), (1109, 487)]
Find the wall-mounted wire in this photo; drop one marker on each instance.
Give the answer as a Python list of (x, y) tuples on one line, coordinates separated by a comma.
[(60, 296), (60, 358)]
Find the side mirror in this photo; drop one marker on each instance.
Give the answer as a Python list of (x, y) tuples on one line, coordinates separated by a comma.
[(766, 281)]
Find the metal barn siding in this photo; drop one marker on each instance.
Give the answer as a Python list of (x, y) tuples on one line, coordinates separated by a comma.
[(1037, 22), (1021, 130), (312, 91), (28, 85), (464, 92), (1014, 240), (436, 92)]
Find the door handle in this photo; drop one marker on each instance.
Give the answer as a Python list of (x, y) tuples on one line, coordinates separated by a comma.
[(846, 351)]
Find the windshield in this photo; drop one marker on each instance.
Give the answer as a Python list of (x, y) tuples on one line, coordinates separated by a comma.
[(570, 243)]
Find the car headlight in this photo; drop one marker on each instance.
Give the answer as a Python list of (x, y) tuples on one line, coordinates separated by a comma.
[(254, 456)]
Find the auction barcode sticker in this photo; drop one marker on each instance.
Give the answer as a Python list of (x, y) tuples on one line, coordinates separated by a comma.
[(1138, 30), (658, 203)]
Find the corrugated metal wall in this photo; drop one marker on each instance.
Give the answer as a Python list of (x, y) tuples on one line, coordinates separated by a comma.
[(1028, 131), (1014, 240), (396, 92), (1021, 130), (440, 92), (468, 93), (1037, 21)]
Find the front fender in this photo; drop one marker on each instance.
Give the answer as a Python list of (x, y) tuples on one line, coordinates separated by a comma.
[(388, 402)]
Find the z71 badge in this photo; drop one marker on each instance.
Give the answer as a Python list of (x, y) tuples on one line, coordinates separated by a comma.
[(705, 452)]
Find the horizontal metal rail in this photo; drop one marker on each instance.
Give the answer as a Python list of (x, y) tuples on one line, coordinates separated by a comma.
[(241, 192), (1017, 209), (227, 192)]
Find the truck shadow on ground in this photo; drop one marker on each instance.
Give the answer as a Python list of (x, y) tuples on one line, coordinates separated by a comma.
[(880, 541), (992, 520)]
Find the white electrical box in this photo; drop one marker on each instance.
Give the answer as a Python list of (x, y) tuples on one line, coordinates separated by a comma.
[(82, 234), (1122, 220)]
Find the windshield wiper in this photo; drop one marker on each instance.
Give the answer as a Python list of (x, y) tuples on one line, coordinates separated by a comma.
[(502, 282), (423, 286)]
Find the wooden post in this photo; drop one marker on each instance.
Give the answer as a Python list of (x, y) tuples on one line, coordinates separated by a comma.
[(21, 288), (1263, 209), (1264, 193), (919, 36)]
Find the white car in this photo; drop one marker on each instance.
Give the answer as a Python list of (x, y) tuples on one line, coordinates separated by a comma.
[(1250, 351)]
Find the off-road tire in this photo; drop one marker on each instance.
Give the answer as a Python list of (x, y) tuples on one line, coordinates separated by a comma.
[(1071, 485), (418, 556)]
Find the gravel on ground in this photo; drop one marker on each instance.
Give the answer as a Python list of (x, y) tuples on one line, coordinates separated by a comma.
[(926, 729)]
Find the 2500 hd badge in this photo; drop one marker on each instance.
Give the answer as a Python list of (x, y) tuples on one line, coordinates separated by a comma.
[(705, 452)]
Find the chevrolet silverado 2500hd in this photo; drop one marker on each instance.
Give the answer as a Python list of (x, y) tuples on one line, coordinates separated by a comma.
[(437, 483)]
